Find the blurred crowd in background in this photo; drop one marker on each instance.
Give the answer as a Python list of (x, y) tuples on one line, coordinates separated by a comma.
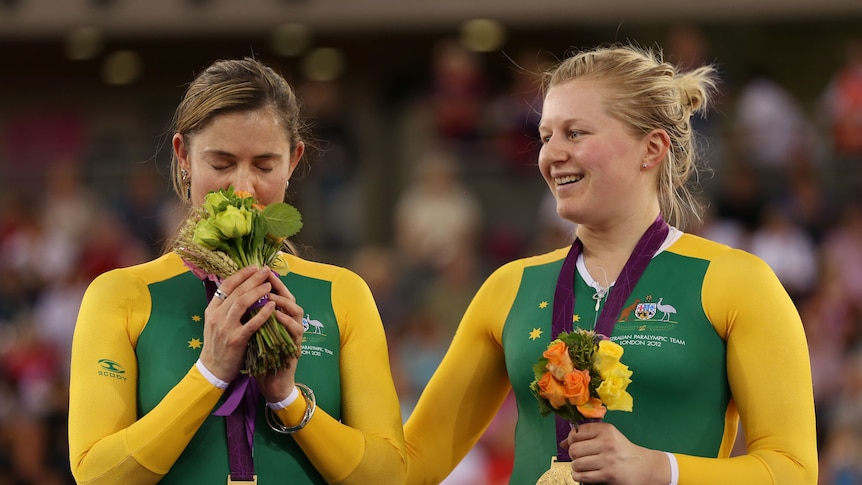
[(784, 183)]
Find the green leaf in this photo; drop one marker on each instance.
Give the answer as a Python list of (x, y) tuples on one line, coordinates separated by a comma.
[(283, 219), (259, 230), (540, 367)]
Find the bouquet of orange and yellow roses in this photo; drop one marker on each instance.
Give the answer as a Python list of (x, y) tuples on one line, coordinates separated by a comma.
[(231, 231), (580, 377)]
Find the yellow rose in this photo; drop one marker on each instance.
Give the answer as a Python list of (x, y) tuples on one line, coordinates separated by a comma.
[(233, 222), (607, 356), (207, 235), (552, 390), (612, 390), (559, 361)]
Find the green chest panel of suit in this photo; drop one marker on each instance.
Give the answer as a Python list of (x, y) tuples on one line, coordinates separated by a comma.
[(676, 356), (170, 344)]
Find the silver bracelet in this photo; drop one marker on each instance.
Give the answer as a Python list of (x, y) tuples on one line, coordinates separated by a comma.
[(310, 405)]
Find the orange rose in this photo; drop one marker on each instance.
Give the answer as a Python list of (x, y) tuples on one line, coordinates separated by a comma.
[(552, 390), (593, 409), (559, 361), (243, 194), (576, 387)]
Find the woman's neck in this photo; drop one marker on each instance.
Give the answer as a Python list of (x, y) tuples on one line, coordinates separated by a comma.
[(606, 249)]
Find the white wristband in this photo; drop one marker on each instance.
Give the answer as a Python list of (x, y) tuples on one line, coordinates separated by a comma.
[(674, 468), (275, 406), (210, 377)]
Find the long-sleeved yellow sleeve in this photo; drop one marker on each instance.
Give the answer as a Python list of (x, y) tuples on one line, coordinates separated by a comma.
[(107, 442), (769, 374), (467, 389), (367, 446)]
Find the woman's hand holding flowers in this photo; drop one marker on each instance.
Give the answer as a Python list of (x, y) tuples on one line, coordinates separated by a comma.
[(600, 453), (225, 336), (231, 231), (277, 385)]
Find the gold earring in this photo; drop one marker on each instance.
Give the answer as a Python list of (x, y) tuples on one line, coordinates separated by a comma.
[(184, 175)]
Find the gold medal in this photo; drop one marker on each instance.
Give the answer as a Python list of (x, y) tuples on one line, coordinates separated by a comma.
[(253, 481), (560, 473)]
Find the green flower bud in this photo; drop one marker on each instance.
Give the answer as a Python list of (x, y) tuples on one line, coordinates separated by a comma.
[(214, 202), (233, 222), (207, 235)]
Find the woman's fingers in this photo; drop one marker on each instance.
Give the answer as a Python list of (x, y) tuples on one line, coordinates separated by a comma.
[(279, 288), (247, 286), (228, 329), (231, 283)]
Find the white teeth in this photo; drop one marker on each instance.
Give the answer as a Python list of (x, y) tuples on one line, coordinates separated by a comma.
[(567, 179)]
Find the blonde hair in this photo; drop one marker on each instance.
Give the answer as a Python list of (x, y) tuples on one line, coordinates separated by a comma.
[(647, 93)]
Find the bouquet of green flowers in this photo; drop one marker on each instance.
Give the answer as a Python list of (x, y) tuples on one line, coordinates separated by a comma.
[(231, 231), (580, 377)]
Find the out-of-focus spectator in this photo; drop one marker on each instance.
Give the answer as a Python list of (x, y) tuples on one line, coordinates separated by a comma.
[(841, 253), (68, 203), (827, 320), (841, 104), (459, 92), (841, 113), (33, 253), (686, 46), (380, 268), (771, 130), (437, 215), (740, 197), (808, 202), (514, 115), (788, 250), (330, 193), (146, 207), (448, 293), (842, 453)]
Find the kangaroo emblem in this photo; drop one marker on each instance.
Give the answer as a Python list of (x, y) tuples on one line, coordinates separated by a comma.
[(624, 314)]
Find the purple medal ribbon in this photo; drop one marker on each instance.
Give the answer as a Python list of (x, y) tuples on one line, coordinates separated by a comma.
[(564, 297), (240, 412)]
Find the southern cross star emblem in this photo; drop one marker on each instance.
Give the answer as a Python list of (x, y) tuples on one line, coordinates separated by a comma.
[(536, 333)]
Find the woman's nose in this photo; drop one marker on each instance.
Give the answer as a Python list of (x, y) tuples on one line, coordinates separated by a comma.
[(552, 151), (244, 181)]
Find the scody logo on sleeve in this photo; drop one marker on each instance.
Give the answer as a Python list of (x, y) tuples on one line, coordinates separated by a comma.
[(111, 369)]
